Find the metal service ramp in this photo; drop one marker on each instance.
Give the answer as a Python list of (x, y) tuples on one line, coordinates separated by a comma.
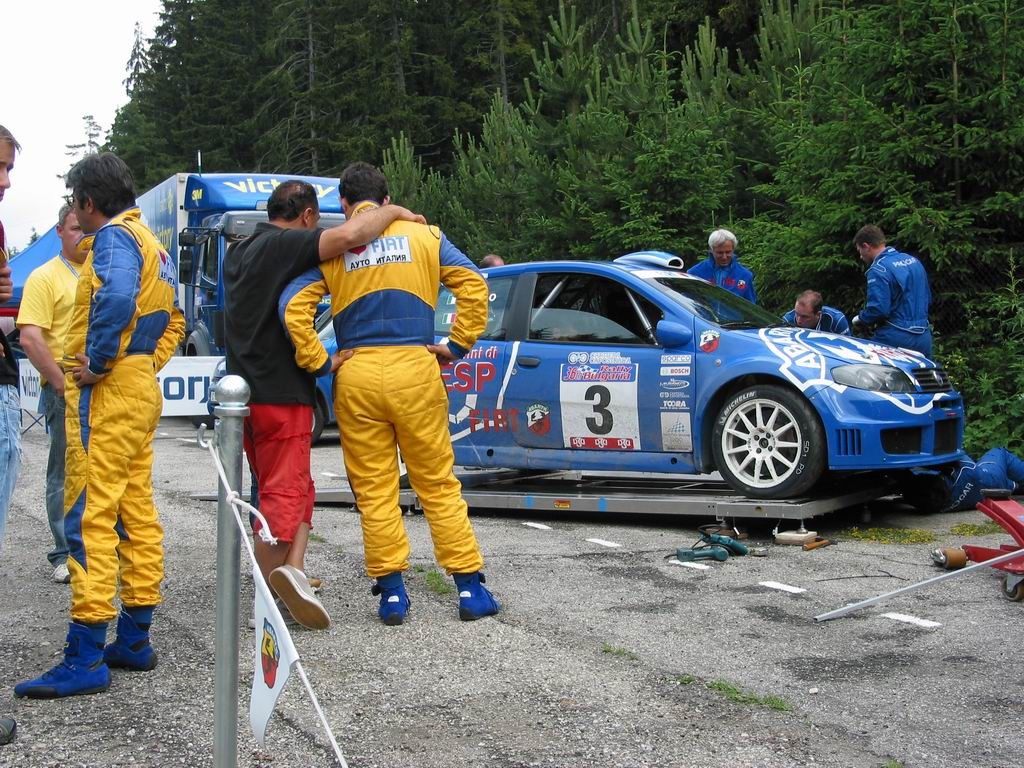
[(640, 493)]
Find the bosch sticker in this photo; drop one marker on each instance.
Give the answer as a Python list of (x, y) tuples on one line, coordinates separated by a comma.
[(675, 370)]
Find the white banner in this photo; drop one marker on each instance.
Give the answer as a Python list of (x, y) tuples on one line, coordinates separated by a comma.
[(185, 383), (275, 655), (29, 386)]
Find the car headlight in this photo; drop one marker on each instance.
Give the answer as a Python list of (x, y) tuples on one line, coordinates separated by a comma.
[(877, 378)]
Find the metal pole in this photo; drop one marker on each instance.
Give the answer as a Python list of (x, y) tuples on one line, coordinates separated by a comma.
[(1016, 555), (232, 394)]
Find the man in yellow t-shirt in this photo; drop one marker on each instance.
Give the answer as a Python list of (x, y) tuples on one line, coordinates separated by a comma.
[(43, 319)]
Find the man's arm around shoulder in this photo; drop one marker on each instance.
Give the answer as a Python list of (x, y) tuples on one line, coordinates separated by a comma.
[(361, 229)]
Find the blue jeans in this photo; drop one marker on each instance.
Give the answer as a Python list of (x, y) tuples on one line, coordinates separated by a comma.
[(52, 408), (10, 449)]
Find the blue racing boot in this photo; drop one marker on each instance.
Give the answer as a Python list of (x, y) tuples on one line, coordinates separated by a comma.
[(475, 601), (394, 602), (131, 649), (82, 670)]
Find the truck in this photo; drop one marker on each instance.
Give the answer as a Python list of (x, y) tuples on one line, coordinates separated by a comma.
[(196, 217)]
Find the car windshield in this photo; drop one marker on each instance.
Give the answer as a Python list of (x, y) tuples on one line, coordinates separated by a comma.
[(712, 303)]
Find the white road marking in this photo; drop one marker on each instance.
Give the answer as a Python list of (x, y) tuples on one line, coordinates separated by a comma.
[(782, 587), (604, 543), (908, 619), (331, 474), (538, 526), (163, 434), (695, 566), (187, 440)]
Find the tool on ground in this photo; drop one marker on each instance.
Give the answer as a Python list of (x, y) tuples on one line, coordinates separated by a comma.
[(998, 505), (688, 554), (709, 536), (1010, 515), (818, 543), (949, 558)]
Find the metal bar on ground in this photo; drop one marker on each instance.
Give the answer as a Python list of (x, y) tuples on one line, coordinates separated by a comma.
[(1009, 556), (232, 395)]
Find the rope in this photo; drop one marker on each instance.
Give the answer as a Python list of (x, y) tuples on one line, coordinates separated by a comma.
[(237, 504)]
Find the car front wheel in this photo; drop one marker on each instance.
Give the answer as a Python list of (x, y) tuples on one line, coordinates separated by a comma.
[(768, 443)]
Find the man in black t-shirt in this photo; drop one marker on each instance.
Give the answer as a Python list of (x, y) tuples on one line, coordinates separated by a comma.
[(278, 428)]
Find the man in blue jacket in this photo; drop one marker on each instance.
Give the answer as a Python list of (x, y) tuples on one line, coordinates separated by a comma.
[(722, 266), (898, 294), (811, 312), (960, 489)]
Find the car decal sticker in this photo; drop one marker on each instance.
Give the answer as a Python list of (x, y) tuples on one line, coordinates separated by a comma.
[(676, 434), (799, 349), (599, 406)]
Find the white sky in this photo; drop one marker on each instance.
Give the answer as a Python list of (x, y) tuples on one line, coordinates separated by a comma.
[(61, 59)]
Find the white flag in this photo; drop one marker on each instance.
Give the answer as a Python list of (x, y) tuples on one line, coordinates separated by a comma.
[(275, 656)]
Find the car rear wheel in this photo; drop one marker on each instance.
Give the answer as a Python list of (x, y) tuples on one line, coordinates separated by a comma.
[(319, 419), (768, 443)]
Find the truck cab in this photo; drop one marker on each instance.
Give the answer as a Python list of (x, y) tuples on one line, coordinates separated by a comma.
[(196, 217), (200, 265)]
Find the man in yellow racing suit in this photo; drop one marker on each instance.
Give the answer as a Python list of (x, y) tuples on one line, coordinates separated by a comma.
[(124, 327), (389, 393)]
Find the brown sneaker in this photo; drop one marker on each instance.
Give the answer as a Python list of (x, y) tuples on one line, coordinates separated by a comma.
[(292, 586)]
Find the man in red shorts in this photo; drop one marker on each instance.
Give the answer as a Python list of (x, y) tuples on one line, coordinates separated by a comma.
[(278, 428)]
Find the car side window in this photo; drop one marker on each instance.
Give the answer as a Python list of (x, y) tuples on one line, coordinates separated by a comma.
[(590, 308), (500, 289)]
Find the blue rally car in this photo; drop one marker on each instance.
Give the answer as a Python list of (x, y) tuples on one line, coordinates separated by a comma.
[(633, 365)]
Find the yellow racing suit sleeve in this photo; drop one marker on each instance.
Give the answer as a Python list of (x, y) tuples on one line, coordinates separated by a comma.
[(171, 338), (461, 277), (297, 311)]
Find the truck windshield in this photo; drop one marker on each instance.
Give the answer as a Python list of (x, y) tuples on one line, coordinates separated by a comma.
[(711, 302)]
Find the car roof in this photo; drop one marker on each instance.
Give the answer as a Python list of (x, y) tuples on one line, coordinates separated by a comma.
[(638, 261)]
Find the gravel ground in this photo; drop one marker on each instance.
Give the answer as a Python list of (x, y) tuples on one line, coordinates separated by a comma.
[(602, 656)]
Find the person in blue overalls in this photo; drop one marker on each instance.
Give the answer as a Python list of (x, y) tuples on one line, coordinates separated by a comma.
[(898, 294), (811, 312), (722, 266), (959, 488)]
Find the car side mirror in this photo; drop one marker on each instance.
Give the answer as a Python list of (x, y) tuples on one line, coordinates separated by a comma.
[(185, 266), (672, 334)]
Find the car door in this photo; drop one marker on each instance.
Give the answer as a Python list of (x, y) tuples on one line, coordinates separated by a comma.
[(588, 375), (476, 413)]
